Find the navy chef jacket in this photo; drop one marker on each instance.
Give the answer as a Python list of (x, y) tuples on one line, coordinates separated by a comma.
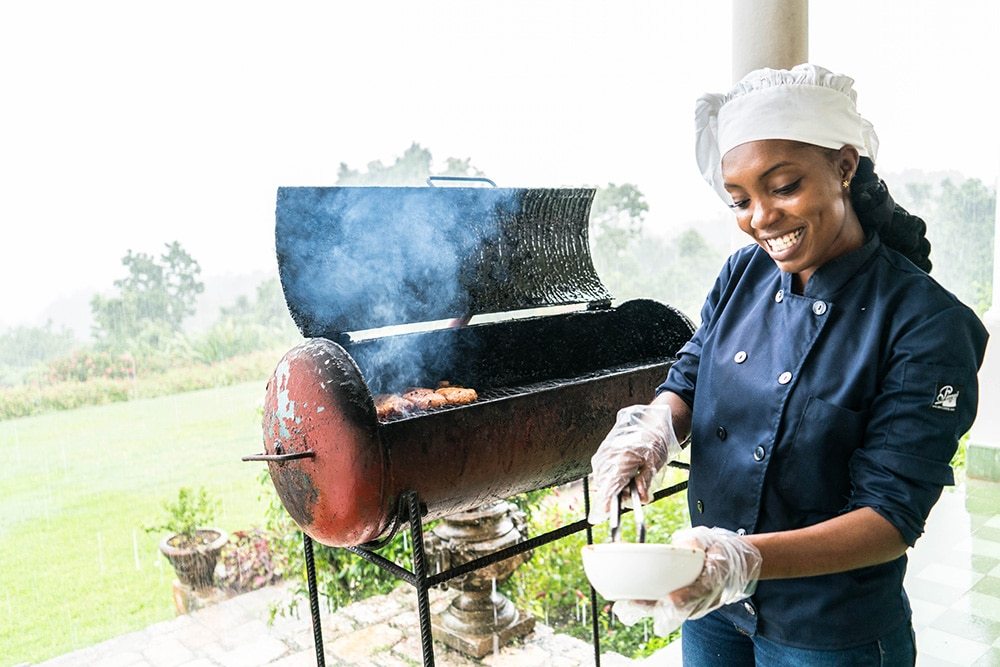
[(804, 407)]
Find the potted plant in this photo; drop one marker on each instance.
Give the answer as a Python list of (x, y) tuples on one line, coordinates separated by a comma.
[(192, 546)]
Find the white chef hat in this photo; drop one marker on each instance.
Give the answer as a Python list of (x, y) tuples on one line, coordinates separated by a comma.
[(807, 103)]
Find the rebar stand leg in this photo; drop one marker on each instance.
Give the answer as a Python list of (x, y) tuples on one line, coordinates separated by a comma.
[(420, 570), (595, 627), (314, 600)]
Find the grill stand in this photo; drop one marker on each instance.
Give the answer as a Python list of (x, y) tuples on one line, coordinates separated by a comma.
[(409, 502)]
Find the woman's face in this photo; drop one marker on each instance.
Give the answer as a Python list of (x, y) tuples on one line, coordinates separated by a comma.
[(789, 198)]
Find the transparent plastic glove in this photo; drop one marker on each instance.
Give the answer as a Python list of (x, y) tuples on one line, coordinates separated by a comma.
[(732, 567), (640, 444)]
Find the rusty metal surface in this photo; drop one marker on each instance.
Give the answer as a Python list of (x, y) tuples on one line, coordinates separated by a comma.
[(544, 409)]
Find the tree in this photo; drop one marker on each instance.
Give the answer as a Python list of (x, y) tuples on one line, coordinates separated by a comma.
[(961, 236), (960, 217), (633, 264), (22, 348), (413, 167), (617, 217), (152, 301)]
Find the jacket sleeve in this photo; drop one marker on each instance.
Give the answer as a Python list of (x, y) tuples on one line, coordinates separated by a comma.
[(927, 401)]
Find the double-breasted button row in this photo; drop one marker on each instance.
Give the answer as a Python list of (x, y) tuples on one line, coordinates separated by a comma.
[(785, 378), (758, 453), (740, 357)]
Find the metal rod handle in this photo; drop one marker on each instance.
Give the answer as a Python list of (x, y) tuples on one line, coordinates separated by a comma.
[(468, 179), (308, 454)]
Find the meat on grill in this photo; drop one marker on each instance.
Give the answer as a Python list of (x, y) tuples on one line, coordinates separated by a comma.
[(458, 395), (392, 405), (414, 399), (424, 398)]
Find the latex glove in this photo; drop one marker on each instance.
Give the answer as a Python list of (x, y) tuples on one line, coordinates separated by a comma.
[(640, 444), (732, 567)]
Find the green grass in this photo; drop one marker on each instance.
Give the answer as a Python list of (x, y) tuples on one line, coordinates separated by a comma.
[(77, 486)]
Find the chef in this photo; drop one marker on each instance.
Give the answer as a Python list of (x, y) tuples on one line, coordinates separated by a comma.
[(824, 392)]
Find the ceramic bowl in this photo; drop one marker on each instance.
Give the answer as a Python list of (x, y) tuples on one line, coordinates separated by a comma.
[(640, 571)]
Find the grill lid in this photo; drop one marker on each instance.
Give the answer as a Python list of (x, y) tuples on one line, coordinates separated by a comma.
[(355, 258)]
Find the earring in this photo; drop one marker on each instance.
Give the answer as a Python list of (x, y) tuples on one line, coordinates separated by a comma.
[(846, 183)]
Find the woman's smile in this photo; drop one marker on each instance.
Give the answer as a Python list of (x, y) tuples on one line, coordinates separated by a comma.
[(781, 245)]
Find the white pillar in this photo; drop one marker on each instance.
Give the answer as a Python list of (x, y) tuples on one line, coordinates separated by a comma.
[(983, 452), (769, 33)]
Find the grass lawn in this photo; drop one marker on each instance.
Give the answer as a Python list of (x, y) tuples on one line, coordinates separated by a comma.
[(76, 487)]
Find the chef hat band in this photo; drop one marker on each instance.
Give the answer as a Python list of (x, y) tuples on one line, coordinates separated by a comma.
[(806, 103)]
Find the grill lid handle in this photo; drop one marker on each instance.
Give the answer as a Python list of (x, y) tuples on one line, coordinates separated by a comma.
[(463, 179)]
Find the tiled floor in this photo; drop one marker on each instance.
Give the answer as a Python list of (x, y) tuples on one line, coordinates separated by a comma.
[(954, 579)]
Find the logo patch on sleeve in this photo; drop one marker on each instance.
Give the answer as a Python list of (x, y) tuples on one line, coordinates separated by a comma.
[(947, 397)]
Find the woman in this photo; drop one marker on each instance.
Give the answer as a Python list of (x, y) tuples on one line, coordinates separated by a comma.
[(824, 392)]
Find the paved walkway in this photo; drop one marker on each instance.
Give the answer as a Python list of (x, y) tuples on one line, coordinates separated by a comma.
[(382, 631), (953, 582)]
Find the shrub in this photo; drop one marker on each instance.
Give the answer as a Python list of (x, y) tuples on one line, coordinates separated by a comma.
[(341, 576), (87, 364), (188, 514), (249, 562), (25, 400)]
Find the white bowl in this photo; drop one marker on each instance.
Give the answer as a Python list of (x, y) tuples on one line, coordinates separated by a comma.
[(646, 571)]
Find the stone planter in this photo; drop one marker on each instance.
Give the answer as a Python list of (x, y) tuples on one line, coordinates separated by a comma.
[(195, 565)]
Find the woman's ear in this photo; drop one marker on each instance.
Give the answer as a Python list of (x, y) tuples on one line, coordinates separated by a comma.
[(847, 162)]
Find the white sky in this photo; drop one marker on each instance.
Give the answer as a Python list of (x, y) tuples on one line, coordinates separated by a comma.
[(129, 124)]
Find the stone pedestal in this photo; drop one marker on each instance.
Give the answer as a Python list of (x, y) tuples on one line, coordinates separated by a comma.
[(479, 619), (188, 598)]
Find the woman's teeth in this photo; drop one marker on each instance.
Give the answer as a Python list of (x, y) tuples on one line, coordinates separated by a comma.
[(784, 242)]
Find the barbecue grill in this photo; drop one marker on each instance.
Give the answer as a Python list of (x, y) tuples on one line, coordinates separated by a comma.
[(488, 288)]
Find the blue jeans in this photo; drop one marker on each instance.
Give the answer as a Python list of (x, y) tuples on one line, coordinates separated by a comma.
[(713, 641)]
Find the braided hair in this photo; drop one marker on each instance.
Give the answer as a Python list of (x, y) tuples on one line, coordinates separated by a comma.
[(878, 212)]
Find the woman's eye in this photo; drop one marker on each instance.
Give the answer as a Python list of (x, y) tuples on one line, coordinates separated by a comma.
[(788, 189), (739, 205)]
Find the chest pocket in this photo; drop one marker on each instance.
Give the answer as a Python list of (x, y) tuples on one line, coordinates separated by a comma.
[(814, 471)]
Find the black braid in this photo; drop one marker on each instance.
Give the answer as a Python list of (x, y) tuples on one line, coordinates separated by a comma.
[(878, 212)]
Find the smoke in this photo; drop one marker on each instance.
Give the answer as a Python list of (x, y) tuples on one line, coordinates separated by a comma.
[(358, 258)]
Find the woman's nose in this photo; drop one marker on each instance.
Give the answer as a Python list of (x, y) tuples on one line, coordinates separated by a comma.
[(764, 214)]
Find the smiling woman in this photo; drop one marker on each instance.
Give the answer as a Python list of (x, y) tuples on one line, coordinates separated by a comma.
[(818, 391)]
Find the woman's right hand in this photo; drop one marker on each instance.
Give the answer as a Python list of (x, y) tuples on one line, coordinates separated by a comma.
[(640, 444), (732, 567)]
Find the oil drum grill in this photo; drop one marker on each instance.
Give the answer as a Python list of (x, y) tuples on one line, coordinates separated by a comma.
[(384, 283)]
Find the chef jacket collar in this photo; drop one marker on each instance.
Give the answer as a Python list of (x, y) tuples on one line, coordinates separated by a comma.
[(832, 276)]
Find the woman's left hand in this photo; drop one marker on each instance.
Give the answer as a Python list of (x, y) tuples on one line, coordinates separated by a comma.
[(732, 567)]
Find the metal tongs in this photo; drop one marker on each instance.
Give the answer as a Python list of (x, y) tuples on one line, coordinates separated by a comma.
[(616, 516)]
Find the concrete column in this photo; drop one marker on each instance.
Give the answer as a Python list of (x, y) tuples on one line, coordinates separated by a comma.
[(983, 452), (769, 33)]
